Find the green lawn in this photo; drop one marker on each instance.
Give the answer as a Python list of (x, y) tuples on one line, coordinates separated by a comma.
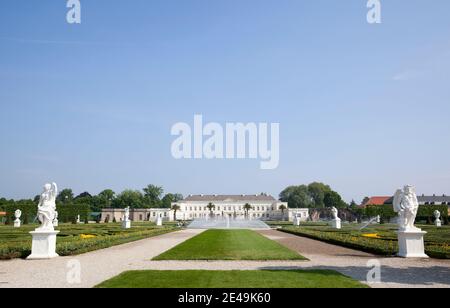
[(437, 240), (232, 279), (16, 242), (229, 245)]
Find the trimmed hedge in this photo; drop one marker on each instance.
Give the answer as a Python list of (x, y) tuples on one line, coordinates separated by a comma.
[(386, 212), (66, 213)]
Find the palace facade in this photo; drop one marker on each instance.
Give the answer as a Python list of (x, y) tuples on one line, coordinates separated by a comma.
[(262, 207)]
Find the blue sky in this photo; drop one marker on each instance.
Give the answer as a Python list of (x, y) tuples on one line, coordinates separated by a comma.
[(364, 108)]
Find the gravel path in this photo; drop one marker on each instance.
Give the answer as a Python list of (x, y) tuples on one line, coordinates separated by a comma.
[(101, 265), (395, 272)]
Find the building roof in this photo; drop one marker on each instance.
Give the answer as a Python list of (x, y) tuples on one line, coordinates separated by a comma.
[(426, 199), (380, 200), (229, 198)]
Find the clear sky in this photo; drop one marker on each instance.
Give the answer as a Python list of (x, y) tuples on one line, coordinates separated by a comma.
[(364, 108)]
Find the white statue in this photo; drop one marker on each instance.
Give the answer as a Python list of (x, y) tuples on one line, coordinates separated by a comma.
[(438, 221), (336, 222), (44, 238), (55, 220), (78, 219), (406, 205), (334, 212), (126, 222), (17, 222), (47, 207), (411, 242), (126, 216)]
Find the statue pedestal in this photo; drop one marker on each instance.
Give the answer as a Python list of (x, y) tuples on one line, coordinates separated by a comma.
[(438, 223), (411, 244), (55, 223), (159, 222), (17, 223), (44, 245), (297, 222), (336, 223), (126, 224)]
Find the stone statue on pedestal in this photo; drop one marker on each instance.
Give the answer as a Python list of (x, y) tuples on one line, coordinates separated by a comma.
[(44, 237), (410, 238)]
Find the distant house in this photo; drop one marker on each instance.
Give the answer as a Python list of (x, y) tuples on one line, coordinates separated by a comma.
[(427, 200), (423, 200), (376, 201)]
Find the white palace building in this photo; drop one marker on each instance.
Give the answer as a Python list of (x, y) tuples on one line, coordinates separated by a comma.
[(263, 207)]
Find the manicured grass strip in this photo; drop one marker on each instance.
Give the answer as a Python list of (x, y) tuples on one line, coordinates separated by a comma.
[(229, 245), (16, 243), (232, 279)]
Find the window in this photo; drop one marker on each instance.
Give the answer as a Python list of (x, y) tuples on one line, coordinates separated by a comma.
[(141, 217), (154, 214)]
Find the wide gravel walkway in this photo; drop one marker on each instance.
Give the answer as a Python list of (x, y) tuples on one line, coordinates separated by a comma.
[(103, 264)]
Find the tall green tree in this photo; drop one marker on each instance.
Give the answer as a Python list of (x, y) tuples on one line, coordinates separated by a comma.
[(132, 198), (297, 197), (65, 196), (211, 208), (175, 209), (317, 192), (168, 199), (152, 195), (333, 199), (106, 198), (247, 208)]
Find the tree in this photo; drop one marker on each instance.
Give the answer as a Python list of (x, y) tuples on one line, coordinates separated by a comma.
[(152, 195), (297, 197), (317, 192), (283, 208), (365, 200), (247, 207), (132, 198), (211, 208), (65, 196), (333, 199), (106, 198), (175, 208)]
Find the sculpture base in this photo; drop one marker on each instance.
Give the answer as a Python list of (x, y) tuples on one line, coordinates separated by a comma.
[(44, 245), (336, 224), (296, 222), (159, 222), (411, 244), (55, 223), (438, 223), (126, 224), (17, 224)]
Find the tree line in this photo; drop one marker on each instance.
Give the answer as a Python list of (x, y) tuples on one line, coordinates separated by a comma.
[(151, 196)]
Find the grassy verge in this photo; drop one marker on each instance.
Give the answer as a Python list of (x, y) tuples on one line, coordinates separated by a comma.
[(77, 239), (232, 279), (229, 245), (377, 239)]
